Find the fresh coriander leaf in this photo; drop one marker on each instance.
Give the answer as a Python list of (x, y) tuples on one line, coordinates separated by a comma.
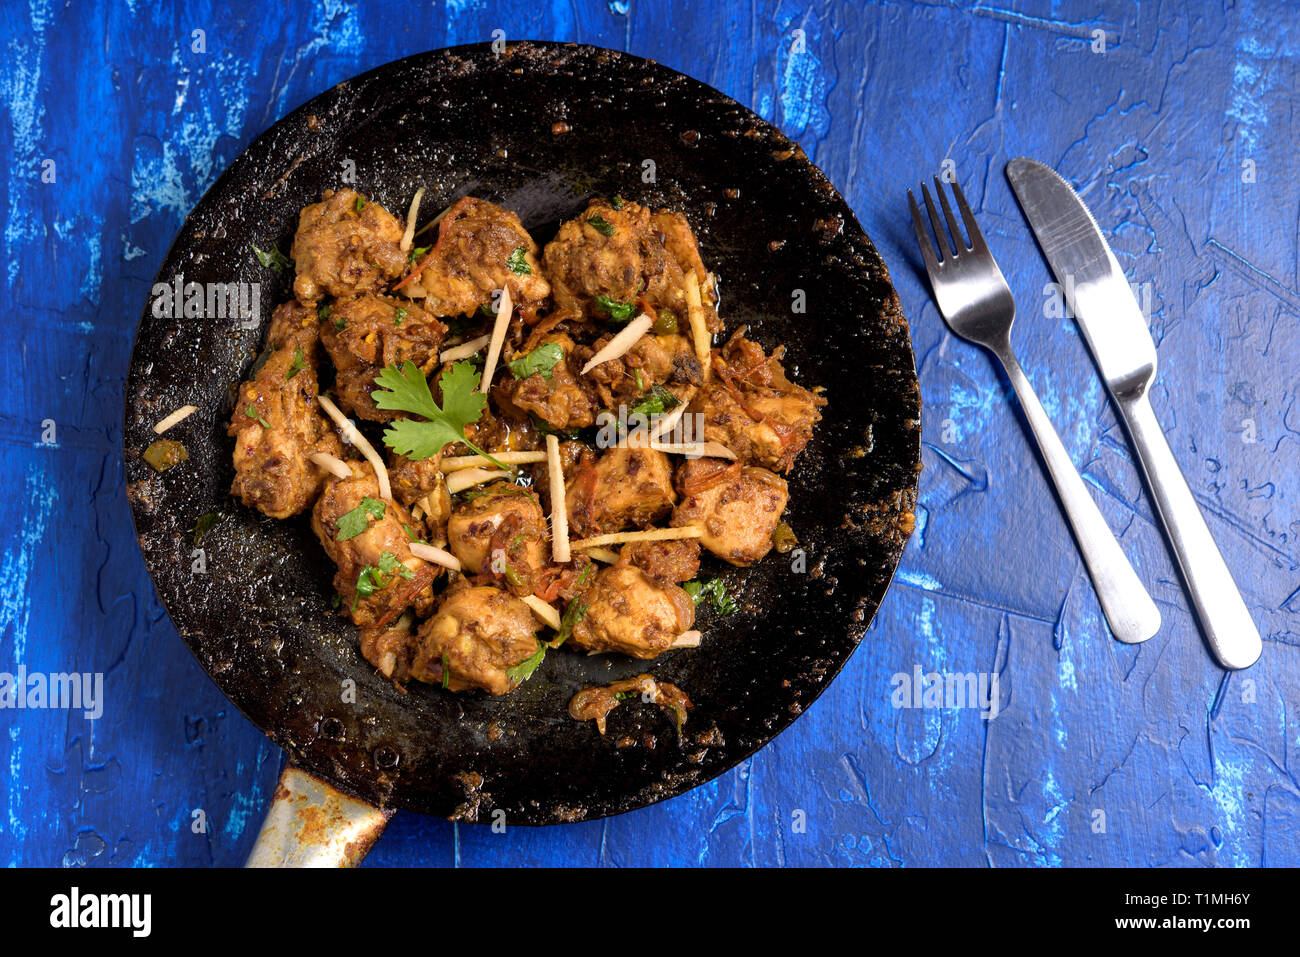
[(252, 413), (714, 592), (366, 584), (601, 225), (417, 253), (655, 402), (388, 564), (299, 363), (204, 525), (353, 523), (572, 615), (541, 361), (399, 315), (618, 311), (272, 258), (524, 670), (616, 202), (407, 390), (518, 262), (411, 536), (374, 578), (360, 204), (340, 323)]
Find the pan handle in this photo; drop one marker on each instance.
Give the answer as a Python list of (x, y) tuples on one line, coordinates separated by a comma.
[(313, 824)]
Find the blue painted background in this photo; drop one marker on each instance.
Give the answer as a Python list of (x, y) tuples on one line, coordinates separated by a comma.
[(1160, 131)]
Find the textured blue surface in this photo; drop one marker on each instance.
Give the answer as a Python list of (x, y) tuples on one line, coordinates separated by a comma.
[(1159, 131)]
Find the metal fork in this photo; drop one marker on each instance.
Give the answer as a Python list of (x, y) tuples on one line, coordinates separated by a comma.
[(977, 305)]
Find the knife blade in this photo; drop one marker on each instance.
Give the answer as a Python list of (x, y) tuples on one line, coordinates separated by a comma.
[(1115, 330)]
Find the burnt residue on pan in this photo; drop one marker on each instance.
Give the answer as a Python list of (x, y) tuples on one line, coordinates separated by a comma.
[(539, 129)]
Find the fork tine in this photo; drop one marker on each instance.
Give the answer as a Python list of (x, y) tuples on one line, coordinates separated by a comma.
[(958, 238), (972, 227), (922, 236), (944, 252)]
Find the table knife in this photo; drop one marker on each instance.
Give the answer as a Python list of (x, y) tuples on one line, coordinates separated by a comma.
[(1116, 332)]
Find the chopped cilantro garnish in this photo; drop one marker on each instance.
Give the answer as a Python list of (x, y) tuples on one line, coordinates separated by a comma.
[(655, 402), (353, 523), (518, 262), (572, 615), (299, 363), (418, 253), (618, 311), (616, 202), (360, 204), (252, 413), (399, 315), (375, 578), (714, 592), (272, 258), (601, 225), (524, 670), (407, 390), (204, 525), (541, 361)]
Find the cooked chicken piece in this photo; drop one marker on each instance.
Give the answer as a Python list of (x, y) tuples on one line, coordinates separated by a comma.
[(501, 532), (679, 240), (618, 250), (365, 335), (630, 612), (672, 561), (668, 361), (624, 487), (378, 578), (737, 507), (481, 248), (419, 483), (277, 423), (478, 634), (753, 409), (345, 245), (391, 648), (559, 397)]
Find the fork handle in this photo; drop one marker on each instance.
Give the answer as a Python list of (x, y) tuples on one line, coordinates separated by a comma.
[(1132, 615), (1231, 632)]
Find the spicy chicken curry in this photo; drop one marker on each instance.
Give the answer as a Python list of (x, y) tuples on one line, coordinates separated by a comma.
[(552, 435)]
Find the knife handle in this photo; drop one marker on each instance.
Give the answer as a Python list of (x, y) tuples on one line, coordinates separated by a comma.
[(1132, 615), (1231, 632)]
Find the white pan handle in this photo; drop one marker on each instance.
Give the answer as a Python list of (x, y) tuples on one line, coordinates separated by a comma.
[(314, 824)]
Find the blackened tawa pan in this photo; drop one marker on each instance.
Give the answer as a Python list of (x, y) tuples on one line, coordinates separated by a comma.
[(538, 128)]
